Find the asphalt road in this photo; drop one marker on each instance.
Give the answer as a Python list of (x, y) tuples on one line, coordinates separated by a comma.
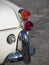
[(39, 36)]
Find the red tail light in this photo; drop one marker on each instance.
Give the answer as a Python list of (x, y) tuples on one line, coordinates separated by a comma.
[(28, 25), (25, 14)]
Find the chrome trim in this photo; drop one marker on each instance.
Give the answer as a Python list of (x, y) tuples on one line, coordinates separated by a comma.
[(13, 57), (31, 49), (24, 54), (11, 38), (23, 36)]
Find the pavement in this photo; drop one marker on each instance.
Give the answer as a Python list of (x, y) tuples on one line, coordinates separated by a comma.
[(39, 36)]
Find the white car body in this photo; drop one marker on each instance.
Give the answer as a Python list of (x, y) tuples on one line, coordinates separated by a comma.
[(9, 24), (14, 37)]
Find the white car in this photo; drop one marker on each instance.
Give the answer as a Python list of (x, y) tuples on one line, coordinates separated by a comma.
[(15, 25)]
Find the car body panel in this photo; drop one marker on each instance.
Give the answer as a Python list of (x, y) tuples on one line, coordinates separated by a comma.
[(9, 24), (8, 18), (14, 7), (6, 48)]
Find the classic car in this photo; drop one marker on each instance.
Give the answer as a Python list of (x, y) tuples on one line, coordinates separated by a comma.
[(15, 25)]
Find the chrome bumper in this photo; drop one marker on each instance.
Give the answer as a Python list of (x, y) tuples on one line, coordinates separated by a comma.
[(24, 54)]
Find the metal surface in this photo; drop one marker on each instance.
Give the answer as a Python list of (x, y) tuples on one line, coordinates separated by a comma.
[(25, 52), (6, 48), (8, 18), (15, 57), (25, 46), (11, 38), (23, 36), (31, 49), (9, 22)]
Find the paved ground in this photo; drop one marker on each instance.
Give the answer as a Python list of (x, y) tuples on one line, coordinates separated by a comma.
[(39, 36)]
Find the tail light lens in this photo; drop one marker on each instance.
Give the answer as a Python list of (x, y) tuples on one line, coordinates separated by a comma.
[(28, 25), (25, 14)]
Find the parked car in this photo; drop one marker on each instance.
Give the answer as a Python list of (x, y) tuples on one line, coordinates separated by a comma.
[(15, 25)]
